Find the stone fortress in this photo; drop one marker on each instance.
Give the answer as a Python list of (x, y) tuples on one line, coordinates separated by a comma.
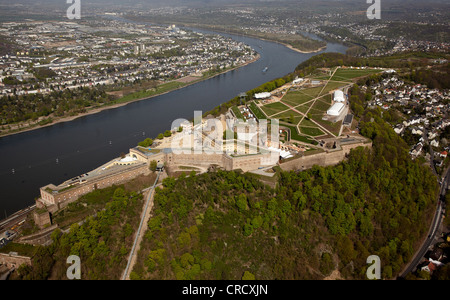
[(224, 142)]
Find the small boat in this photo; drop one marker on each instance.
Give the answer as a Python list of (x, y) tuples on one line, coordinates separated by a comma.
[(265, 69)]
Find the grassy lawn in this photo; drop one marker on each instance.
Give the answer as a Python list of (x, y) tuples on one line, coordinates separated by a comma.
[(303, 108), (297, 137), (320, 77), (321, 106), (274, 108), (307, 123), (316, 112), (289, 120), (326, 99), (296, 98), (330, 126), (349, 74), (313, 92), (237, 112), (163, 88), (302, 101), (21, 249), (286, 114), (312, 131), (331, 86), (256, 111)]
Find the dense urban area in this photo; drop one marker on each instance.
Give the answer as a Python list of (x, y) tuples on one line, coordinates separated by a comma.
[(90, 64)]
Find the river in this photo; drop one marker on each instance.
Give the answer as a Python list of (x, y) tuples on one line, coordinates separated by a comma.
[(59, 152)]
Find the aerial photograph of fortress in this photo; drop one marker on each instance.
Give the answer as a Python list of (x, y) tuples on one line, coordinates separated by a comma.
[(272, 141)]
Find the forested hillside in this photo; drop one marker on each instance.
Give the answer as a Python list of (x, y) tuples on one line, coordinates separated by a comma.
[(102, 241), (220, 225)]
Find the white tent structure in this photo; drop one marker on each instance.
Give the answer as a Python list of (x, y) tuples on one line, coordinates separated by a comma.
[(283, 153), (262, 95), (336, 109), (339, 96), (297, 80)]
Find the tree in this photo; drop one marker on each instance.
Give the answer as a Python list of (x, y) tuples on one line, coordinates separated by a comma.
[(241, 203), (186, 260), (291, 119), (119, 194), (248, 229), (153, 165), (248, 276), (146, 143), (326, 264), (160, 136)]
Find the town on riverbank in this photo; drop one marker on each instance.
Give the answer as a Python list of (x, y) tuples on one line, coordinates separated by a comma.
[(64, 70)]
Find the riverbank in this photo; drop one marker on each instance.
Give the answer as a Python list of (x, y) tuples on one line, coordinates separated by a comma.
[(90, 111), (199, 26)]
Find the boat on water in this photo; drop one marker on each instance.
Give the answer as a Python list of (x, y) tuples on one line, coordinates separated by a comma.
[(265, 69)]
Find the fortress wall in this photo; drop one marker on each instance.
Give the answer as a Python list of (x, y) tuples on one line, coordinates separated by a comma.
[(39, 238), (321, 159), (11, 260), (144, 158), (306, 162), (251, 162), (62, 199), (204, 160), (139, 155), (246, 163)]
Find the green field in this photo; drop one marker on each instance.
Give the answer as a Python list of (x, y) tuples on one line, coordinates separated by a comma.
[(321, 105), (312, 131), (307, 122), (160, 89), (256, 111), (314, 102), (298, 137), (295, 98), (237, 113), (274, 108), (345, 75), (331, 86), (350, 74)]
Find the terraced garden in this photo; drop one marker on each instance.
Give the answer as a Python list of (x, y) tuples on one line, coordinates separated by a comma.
[(302, 110)]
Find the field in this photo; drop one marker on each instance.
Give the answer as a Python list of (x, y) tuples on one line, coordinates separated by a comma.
[(274, 108), (350, 74), (237, 113), (256, 111), (304, 109)]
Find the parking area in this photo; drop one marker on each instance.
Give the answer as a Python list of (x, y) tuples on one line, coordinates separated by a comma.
[(6, 237)]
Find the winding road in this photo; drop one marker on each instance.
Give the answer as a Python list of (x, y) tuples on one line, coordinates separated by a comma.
[(437, 219)]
